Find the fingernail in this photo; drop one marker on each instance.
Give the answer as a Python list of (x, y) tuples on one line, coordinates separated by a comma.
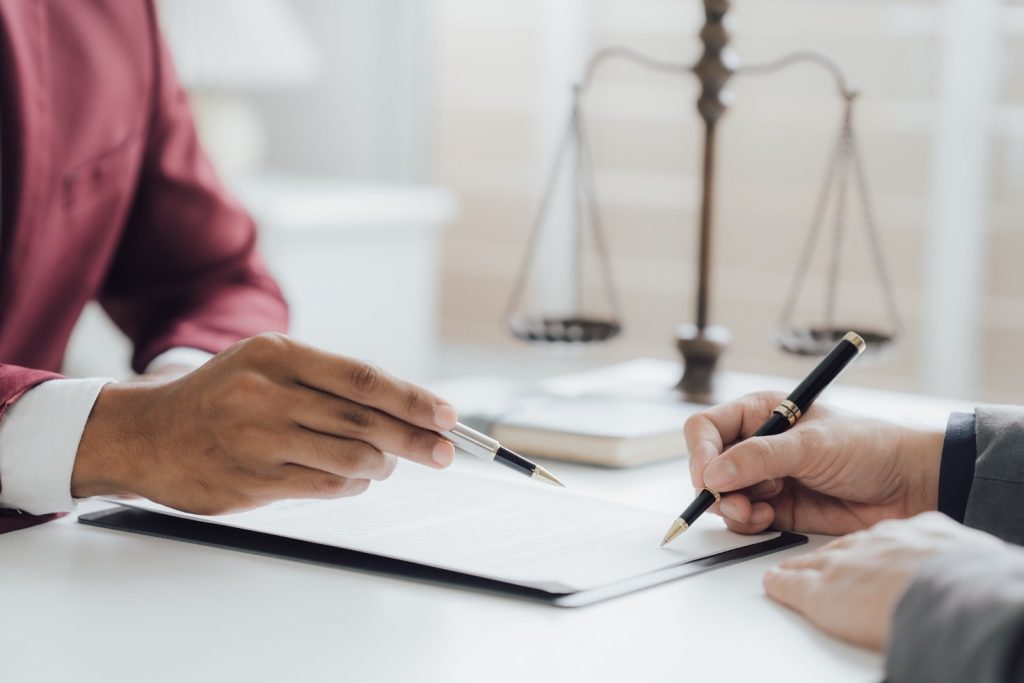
[(729, 509), (720, 474), (444, 453), (445, 417)]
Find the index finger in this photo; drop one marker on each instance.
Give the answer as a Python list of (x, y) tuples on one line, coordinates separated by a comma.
[(709, 432), (368, 385), (794, 588)]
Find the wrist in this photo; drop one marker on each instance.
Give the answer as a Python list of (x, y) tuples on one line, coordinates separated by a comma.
[(116, 439), (163, 374), (921, 454)]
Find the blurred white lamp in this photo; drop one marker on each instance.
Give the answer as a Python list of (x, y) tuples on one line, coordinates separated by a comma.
[(224, 48)]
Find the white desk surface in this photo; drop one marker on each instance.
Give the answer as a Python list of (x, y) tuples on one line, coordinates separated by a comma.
[(82, 604)]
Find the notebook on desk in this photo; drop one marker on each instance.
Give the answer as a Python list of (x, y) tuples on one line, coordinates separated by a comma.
[(624, 415), (596, 431), (509, 537)]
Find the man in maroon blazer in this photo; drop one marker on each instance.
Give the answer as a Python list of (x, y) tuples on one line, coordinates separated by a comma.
[(107, 195)]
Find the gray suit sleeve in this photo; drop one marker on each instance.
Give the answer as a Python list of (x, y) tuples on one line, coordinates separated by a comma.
[(961, 619), (996, 501)]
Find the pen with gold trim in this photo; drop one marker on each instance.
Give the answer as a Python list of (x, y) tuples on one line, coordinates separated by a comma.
[(486, 448), (782, 418)]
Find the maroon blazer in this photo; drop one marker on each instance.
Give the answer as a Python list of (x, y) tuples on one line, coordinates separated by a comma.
[(107, 195)]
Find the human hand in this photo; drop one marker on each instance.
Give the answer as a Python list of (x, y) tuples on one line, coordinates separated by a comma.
[(850, 587), (269, 418), (833, 472)]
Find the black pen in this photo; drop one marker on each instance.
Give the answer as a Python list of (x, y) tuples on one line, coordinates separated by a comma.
[(782, 418), (483, 446)]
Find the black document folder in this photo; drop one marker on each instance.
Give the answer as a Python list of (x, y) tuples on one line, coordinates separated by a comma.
[(219, 536)]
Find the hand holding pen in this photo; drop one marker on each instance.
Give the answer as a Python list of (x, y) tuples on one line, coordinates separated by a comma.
[(784, 415)]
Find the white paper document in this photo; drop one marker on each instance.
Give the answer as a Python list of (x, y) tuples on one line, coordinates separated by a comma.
[(521, 533)]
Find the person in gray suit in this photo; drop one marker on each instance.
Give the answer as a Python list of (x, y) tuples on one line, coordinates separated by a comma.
[(928, 566)]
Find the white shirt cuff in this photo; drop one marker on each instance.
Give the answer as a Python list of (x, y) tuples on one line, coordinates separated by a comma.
[(39, 435), (179, 355)]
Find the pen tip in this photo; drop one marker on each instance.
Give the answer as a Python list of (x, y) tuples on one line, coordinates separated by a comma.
[(678, 527), (545, 476)]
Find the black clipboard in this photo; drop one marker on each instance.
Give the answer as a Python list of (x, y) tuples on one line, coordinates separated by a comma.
[(219, 536)]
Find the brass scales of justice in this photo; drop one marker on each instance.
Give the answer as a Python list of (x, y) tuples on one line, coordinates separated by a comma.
[(701, 344)]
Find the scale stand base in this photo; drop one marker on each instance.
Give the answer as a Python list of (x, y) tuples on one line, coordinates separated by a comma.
[(701, 350)]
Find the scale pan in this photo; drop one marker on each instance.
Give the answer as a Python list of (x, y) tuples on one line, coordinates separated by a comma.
[(564, 330), (818, 341)]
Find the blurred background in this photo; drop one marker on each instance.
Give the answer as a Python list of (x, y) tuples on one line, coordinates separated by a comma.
[(394, 151)]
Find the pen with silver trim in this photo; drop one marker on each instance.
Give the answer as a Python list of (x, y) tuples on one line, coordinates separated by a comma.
[(486, 448), (782, 418)]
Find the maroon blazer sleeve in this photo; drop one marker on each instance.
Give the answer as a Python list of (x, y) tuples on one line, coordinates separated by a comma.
[(187, 272)]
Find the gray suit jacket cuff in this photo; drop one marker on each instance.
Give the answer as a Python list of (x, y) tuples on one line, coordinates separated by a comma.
[(961, 619), (956, 469), (995, 502)]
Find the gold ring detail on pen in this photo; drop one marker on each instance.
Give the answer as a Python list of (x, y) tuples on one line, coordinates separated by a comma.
[(790, 411), (856, 340), (716, 494)]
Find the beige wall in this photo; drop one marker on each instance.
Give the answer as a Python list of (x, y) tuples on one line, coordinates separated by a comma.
[(774, 146)]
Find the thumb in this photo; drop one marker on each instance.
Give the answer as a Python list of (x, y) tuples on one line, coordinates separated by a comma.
[(755, 460)]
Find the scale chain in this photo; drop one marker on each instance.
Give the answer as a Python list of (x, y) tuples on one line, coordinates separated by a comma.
[(817, 221), (600, 236), (873, 236), (519, 286), (835, 264)]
